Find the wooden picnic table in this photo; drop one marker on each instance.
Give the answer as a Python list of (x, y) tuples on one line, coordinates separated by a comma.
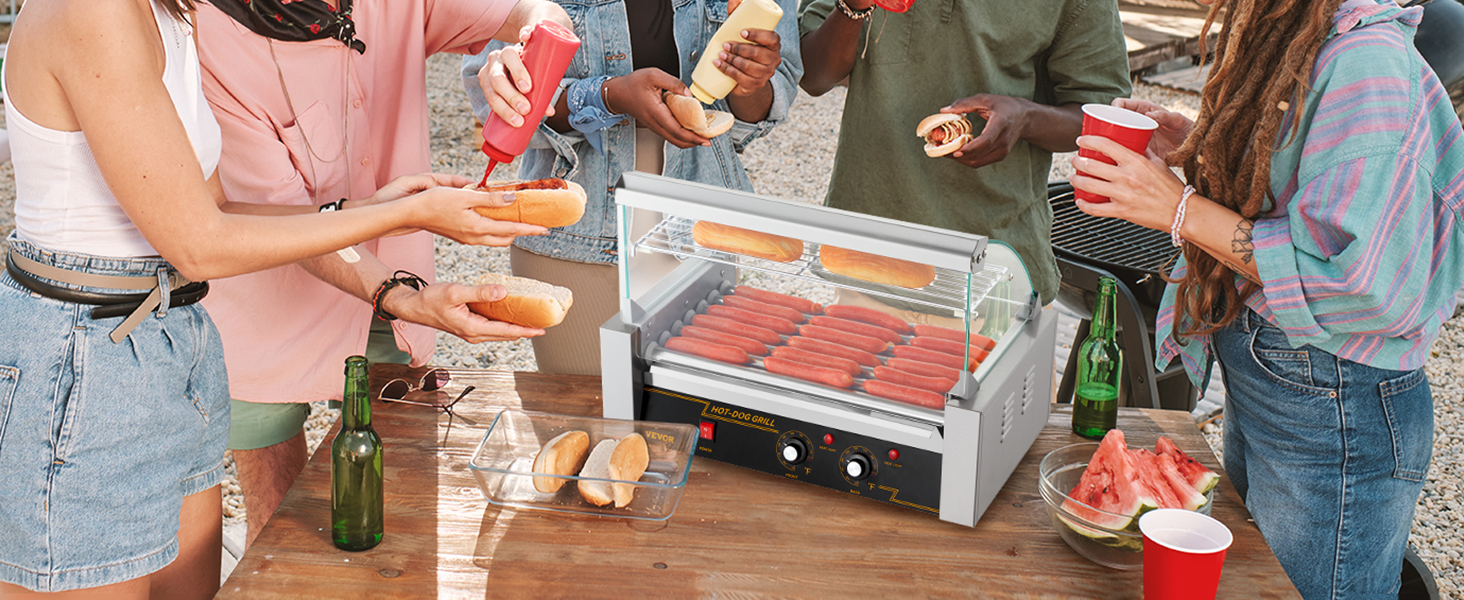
[(737, 532)]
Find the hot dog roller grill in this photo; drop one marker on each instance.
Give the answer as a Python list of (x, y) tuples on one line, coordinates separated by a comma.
[(949, 462)]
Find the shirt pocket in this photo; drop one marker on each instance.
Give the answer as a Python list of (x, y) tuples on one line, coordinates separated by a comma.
[(589, 25), (317, 146), (1408, 406)]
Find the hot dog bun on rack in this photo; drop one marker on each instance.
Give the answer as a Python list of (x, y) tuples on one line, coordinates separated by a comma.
[(691, 114), (944, 133), (746, 241), (529, 302), (563, 455), (542, 202), (623, 460), (874, 268)]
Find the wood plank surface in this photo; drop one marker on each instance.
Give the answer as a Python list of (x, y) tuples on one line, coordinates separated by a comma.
[(736, 532)]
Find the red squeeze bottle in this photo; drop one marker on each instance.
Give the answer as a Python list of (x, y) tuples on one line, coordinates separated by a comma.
[(546, 57)]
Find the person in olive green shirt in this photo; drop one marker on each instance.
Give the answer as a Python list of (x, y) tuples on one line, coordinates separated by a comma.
[(1020, 68)]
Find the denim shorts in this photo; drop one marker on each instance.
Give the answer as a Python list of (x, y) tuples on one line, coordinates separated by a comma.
[(1329, 455), (101, 441)]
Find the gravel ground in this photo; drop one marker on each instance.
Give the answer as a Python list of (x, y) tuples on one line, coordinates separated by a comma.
[(793, 163)]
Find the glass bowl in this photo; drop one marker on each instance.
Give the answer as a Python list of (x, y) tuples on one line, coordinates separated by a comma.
[(1115, 548), (504, 464)]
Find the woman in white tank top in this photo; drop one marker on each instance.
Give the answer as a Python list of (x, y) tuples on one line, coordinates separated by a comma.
[(113, 400)]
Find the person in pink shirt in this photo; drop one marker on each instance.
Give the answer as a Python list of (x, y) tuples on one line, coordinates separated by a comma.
[(320, 103)]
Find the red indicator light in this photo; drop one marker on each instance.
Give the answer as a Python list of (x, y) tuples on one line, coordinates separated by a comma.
[(708, 431), (828, 439), (894, 454)]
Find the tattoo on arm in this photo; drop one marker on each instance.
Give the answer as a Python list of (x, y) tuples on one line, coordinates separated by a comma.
[(1242, 244)]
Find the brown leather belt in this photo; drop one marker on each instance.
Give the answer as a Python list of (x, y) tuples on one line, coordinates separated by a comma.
[(174, 291)]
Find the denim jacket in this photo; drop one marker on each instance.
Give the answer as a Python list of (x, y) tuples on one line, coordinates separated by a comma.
[(605, 51)]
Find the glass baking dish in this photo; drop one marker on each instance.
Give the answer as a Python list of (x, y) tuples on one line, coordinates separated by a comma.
[(503, 463)]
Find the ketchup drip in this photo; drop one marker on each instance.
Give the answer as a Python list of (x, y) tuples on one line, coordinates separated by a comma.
[(492, 164)]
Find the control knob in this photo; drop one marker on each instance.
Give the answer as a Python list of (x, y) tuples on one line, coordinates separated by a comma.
[(794, 450), (858, 465)]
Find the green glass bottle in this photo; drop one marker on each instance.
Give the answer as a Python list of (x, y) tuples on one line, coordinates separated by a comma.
[(356, 503), (1100, 368)]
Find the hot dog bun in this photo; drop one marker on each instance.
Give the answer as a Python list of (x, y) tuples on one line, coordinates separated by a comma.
[(563, 455), (874, 268), (529, 302), (542, 202), (944, 133), (691, 114), (597, 465), (623, 460), (628, 463), (746, 241)]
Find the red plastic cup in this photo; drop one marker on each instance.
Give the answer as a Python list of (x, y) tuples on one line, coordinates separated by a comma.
[(1183, 554), (1130, 129)]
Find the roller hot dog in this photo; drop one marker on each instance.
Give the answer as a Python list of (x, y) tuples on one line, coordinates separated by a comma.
[(777, 324), (774, 310), (747, 345), (712, 350), (852, 340), (865, 329), (867, 315), (818, 360), (931, 356), (832, 349), (954, 335), (738, 328), (938, 385), (802, 305), (808, 372), (978, 354), (923, 369), (906, 394)]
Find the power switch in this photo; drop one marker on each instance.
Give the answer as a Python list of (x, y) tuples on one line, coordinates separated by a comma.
[(709, 431)]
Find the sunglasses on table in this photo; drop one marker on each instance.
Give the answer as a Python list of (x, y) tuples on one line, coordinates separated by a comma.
[(402, 391)]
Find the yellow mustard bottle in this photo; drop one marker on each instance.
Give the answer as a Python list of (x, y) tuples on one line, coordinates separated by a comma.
[(708, 83)]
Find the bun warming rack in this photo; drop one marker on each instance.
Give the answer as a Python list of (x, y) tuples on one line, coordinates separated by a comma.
[(945, 451)]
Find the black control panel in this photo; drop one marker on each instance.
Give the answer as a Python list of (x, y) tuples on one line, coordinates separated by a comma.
[(801, 451)]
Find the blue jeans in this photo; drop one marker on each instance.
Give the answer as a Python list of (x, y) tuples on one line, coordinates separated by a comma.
[(1329, 456)]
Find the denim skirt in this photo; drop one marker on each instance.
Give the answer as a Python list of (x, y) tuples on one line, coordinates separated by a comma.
[(1329, 455), (101, 441)]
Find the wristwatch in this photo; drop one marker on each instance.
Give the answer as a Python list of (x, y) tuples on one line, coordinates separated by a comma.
[(857, 15)]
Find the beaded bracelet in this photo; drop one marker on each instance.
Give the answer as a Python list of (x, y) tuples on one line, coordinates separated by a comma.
[(398, 278), (1179, 217), (854, 14)]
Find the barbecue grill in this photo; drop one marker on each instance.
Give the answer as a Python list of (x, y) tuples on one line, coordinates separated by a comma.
[(1088, 248)]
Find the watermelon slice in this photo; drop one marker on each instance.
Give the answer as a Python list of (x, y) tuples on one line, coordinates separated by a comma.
[(1153, 478), (1110, 484), (1201, 478), (1160, 471)]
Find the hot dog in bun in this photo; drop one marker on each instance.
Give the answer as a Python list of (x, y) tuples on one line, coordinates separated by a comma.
[(944, 133), (529, 302), (542, 202), (691, 114)]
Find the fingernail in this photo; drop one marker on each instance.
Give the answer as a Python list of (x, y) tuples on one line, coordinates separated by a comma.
[(744, 34), (522, 107), (717, 63), (508, 198), (729, 46), (722, 56), (523, 84)]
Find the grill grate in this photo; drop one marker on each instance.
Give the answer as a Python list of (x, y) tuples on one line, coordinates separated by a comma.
[(673, 236), (1112, 241)]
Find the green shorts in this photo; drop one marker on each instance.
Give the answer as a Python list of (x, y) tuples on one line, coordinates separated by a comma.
[(255, 425)]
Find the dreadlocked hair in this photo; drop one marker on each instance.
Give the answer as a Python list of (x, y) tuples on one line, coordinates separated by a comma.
[(1262, 65)]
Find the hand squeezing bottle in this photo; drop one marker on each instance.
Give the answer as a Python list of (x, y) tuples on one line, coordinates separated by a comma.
[(546, 56), (708, 83)]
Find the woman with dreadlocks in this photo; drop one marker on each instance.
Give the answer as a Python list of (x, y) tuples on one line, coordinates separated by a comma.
[(1320, 259)]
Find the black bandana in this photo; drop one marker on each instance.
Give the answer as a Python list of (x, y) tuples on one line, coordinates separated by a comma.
[(295, 20)]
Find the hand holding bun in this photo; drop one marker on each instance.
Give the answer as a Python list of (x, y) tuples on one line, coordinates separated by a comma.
[(689, 111), (944, 133), (874, 268), (542, 202), (746, 241), (563, 455), (529, 303)]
